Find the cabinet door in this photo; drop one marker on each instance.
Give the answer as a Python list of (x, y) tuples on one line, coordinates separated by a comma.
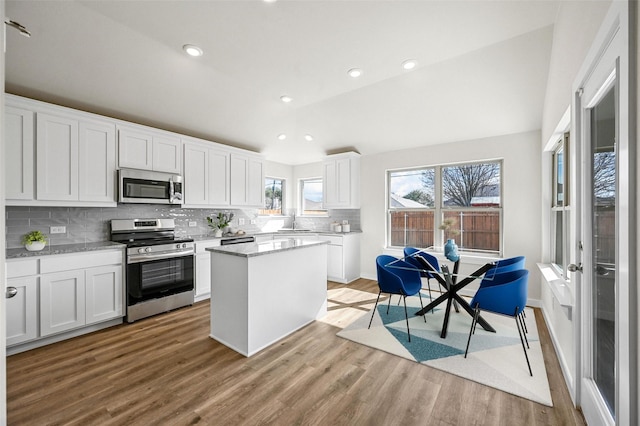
[(135, 149), (330, 195), (239, 168), (97, 161), (57, 158), (103, 293), (335, 262), (219, 177), (22, 311), (166, 154), (255, 183), (203, 274), (19, 154), (196, 174), (62, 301), (343, 182)]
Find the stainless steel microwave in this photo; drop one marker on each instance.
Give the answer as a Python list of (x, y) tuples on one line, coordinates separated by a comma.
[(142, 186)]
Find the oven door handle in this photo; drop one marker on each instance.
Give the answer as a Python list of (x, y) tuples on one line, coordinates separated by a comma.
[(145, 257)]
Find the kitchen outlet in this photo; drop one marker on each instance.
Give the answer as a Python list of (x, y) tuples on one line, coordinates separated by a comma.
[(193, 224), (253, 221), (241, 221), (58, 230)]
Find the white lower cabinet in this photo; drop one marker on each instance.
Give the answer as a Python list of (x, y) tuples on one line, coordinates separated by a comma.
[(22, 310), (203, 269), (343, 257), (63, 293)]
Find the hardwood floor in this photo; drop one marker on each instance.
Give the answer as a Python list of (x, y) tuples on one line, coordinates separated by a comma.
[(165, 370)]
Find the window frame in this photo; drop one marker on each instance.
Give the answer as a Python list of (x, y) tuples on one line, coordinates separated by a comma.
[(563, 207), (283, 186), (323, 212), (439, 209)]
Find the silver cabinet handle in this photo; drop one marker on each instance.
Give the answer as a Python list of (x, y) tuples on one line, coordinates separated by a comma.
[(10, 292)]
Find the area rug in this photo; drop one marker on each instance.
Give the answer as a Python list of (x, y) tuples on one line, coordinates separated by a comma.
[(494, 359)]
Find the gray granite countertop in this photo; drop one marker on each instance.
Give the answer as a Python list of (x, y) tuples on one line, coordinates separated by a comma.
[(208, 237), (16, 253), (267, 247)]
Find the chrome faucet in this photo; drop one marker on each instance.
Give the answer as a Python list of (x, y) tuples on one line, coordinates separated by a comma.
[(293, 223)]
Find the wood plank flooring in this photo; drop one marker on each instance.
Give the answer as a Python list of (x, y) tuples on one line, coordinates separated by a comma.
[(165, 370)]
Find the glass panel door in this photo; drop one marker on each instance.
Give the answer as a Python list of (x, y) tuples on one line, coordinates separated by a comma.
[(603, 257)]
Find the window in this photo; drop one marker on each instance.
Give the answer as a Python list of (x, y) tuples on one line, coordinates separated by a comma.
[(273, 201), (470, 194), (559, 208), (311, 197)]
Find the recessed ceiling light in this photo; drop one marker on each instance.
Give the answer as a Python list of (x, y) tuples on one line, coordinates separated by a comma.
[(286, 99), (409, 64), (192, 50), (309, 138), (282, 136), (355, 72), (270, 1)]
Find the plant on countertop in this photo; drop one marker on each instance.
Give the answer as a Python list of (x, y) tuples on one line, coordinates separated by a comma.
[(447, 227), (33, 237), (221, 221)]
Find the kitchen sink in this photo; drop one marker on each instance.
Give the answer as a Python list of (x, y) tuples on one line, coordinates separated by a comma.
[(294, 230)]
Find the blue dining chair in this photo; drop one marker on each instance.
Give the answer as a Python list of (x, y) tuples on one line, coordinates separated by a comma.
[(396, 276), (507, 265), (409, 257), (504, 294)]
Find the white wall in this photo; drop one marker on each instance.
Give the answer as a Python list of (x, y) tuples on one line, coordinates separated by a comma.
[(575, 28), (521, 191)]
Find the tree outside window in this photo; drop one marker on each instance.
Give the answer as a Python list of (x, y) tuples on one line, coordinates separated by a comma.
[(273, 199)]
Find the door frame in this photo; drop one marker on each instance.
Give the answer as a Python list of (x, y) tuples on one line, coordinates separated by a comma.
[(611, 52)]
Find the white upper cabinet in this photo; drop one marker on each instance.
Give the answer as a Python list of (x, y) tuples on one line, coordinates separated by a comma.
[(206, 175), (247, 180), (97, 161), (341, 176), (57, 157), (74, 160), (140, 148), (19, 153)]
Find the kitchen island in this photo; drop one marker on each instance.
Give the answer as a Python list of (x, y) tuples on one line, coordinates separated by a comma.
[(262, 292)]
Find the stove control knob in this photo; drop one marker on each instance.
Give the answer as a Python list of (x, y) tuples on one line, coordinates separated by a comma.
[(140, 250), (184, 245), (177, 246), (148, 249)]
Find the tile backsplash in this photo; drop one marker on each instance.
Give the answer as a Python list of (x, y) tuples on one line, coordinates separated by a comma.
[(92, 224)]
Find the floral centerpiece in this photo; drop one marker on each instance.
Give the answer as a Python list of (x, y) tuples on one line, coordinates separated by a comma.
[(34, 241), (219, 222)]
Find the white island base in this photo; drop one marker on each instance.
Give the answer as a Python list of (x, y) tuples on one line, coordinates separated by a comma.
[(262, 292)]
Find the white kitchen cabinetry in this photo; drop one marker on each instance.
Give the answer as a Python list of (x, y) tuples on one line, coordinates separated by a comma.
[(341, 176), (97, 161), (203, 269), (247, 181), (61, 296), (19, 153), (22, 309), (206, 175), (140, 148), (343, 257)]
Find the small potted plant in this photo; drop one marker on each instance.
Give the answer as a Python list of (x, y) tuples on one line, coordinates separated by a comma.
[(219, 222), (34, 241)]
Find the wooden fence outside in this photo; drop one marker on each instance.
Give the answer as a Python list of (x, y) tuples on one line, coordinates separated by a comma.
[(478, 230)]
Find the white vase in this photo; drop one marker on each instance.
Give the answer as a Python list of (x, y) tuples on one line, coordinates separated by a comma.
[(217, 233), (34, 246)]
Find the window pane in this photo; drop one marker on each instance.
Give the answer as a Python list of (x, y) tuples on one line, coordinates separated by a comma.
[(412, 228), (477, 230), (558, 257), (272, 197), (412, 189), (559, 178), (312, 196), (471, 185)]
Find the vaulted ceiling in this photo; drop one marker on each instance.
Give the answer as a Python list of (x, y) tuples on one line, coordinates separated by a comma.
[(482, 68)]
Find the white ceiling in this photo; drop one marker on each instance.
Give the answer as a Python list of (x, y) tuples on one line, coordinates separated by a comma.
[(482, 68)]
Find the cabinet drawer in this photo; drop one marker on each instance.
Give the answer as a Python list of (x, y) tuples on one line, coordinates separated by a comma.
[(80, 261), (22, 267), (334, 240), (202, 245)]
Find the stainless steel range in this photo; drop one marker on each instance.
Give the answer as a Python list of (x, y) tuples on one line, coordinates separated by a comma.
[(159, 266)]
